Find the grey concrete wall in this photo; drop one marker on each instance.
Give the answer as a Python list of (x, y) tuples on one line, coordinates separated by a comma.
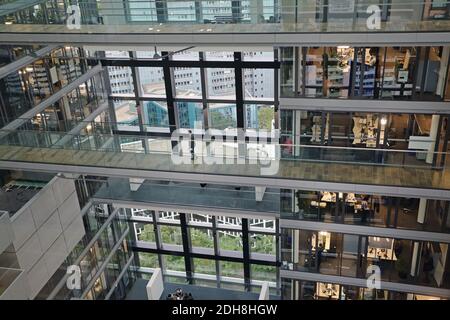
[(46, 230), (6, 234)]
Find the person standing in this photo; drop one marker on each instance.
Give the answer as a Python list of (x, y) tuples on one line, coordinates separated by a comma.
[(319, 256), (192, 145)]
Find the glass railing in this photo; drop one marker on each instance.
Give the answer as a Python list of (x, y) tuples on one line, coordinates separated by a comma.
[(135, 16), (250, 159)]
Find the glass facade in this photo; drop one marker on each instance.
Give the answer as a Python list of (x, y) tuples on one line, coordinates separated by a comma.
[(344, 118), (346, 255), (218, 251), (367, 210), (394, 73)]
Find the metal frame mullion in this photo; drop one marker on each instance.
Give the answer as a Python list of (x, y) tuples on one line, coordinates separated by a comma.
[(170, 90), (216, 250), (246, 254), (203, 82), (362, 50), (186, 248), (278, 254), (353, 74), (276, 94), (158, 239), (136, 88), (238, 86)]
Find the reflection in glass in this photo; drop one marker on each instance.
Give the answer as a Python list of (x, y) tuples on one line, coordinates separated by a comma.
[(221, 83), (190, 115), (222, 115)]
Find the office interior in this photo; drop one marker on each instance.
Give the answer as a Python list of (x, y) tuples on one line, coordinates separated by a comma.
[(344, 72), (366, 209), (349, 255)]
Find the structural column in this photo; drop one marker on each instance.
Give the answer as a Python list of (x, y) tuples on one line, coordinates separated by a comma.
[(257, 11), (297, 132), (422, 210), (415, 258), (443, 72), (433, 136), (295, 238)]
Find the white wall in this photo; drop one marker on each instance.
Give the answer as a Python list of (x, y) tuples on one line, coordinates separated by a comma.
[(46, 229), (155, 286)]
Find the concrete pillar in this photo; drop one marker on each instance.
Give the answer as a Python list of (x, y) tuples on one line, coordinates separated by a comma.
[(433, 136), (415, 257), (259, 193), (422, 210)]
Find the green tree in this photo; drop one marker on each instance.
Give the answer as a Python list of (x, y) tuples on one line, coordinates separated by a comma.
[(265, 117)]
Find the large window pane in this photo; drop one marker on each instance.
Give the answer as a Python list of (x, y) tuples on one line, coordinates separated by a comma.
[(187, 82), (145, 232), (126, 114), (230, 241), (398, 72), (190, 115), (204, 266), (338, 71), (262, 243), (232, 269), (121, 81), (201, 238), (148, 260), (173, 263), (222, 115), (155, 114), (314, 72), (287, 72), (259, 116), (263, 273), (152, 81), (258, 84), (221, 83), (171, 235)]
